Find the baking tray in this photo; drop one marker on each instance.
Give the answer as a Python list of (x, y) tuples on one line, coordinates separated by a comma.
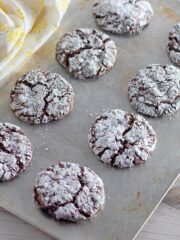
[(131, 194)]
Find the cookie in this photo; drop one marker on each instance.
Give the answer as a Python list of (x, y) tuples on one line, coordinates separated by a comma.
[(41, 96), (155, 90), (126, 17), (122, 139), (15, 151), (174, 44), (69, 192), (86, 53)]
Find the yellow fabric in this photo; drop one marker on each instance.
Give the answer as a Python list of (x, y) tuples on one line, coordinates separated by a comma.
[(25, 25)]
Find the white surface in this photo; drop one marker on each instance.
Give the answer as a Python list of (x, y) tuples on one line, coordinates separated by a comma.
[(163, 225)]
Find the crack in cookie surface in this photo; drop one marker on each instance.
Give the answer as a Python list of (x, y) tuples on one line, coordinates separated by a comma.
[(123, 17), (15, 151), (40, 97), (70, 192), (86, 53), (122, 139), (155, 90)]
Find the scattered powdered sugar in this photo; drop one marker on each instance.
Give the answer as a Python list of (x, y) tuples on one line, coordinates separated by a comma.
[(41, 96), (70, 192), (155, 90), (16, 151), (86, 53), (122, 139), (174, 44), (90, 115), (123, 16)]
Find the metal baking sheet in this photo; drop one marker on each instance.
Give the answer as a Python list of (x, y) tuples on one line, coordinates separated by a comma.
[(132, 194)]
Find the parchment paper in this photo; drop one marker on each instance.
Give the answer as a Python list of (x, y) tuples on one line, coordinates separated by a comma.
[(132, 194)]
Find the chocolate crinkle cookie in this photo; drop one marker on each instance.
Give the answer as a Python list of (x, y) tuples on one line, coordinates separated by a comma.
[(15, 151), (125, 17), (155, 90), (69, 192), (174, 44), (122, 139), (86, 53), (41, 96)]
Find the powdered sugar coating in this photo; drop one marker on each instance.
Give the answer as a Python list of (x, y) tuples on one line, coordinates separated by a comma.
[(123, 16), (174, 44), (86, 53), (122, 139), (41, 96), (15, 151), (155, 90), (70, 192)]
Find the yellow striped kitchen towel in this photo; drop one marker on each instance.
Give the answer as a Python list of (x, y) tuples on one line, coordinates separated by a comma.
[(25, 25)]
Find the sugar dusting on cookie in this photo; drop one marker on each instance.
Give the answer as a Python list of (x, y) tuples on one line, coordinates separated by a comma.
[(86, 53), (16, 151), (69, 192), (123, 17), (154, 91), (41, 96), (122, 139)]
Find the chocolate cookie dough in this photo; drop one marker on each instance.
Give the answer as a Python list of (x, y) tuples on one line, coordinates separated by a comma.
[(86, 53), (125, 17), (15, 151), (69, 192), (41, 96), (122, 139), (155, 90)]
